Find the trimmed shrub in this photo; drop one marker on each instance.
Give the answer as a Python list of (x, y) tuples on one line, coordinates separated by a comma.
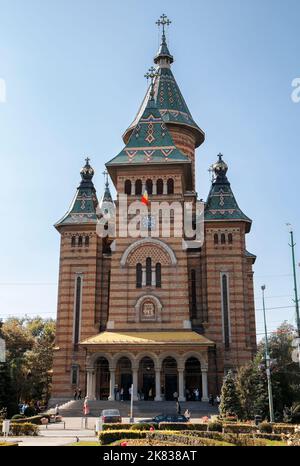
[(108, 436), (239, 428), (283, 429), (215, 426), (182, 426), (185, 438), (18, 416), (144, 426), (116, 426), (265, 427), (25, 428)]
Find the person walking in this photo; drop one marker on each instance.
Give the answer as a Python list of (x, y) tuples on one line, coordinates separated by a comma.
[(175, 396), (86, 408), (75, 394), (178, 407), (197, 393), (79, 393), (122, 394)]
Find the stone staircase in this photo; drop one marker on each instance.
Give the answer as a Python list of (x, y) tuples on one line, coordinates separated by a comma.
[(74, 408)]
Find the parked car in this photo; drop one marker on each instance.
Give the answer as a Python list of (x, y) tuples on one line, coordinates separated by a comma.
[(166, 418), (111, 416)]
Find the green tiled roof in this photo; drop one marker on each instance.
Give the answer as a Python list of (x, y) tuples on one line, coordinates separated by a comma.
[(84, 204), (150, 142), (168, 97), (221, 203)]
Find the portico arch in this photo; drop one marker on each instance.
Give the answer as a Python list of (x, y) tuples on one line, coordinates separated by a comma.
[(151, 241)]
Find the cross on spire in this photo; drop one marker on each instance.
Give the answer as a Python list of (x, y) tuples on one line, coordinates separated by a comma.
[(105, 173), (151, 73), (87, 160), (163, 21)]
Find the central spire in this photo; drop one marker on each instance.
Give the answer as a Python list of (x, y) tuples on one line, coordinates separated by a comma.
[(163, 54)]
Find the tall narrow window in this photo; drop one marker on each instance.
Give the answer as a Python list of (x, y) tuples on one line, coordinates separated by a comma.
[(77, 309), (87, 241), (170, 186), (158, 275), (223, 239), (73, 241), (194, 293), (74, 374), (149, 186), (148, 271), (127, 187), (216, 238), (139, 275), (160, 186), (138, 187), (80, 241), (225, 310), (230, 238)]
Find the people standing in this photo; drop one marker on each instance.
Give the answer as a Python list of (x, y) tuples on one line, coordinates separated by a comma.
[(197, 393), (122, 394), (175, 396), (218, 400), (178, 407), (75, 394), (86, 408), (187, 414), (79, 393)]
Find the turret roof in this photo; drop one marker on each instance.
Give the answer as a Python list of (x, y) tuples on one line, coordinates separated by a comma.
[(221, 203), (84, 204)]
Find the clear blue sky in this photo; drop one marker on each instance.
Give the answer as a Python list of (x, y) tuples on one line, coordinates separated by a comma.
[(74, 79)]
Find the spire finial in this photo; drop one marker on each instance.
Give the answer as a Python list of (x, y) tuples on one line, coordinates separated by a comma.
[(163, 21), (87, 160), (151, 73), (220, 157), (105, 173)]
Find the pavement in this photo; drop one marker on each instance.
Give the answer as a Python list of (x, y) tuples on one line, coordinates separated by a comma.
[(57, 435)]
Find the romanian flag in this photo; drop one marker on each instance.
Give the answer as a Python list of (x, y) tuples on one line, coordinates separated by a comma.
[(145, 199)]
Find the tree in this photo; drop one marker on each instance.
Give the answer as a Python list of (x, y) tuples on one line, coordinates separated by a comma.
[(29, 352), (230, 402)]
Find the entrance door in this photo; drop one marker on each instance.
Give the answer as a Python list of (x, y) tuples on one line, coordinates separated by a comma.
[(170, 386), (126, 381), (148, 386)]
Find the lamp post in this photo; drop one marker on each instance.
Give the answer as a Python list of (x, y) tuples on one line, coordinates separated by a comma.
[(268, 371), (296, 300)]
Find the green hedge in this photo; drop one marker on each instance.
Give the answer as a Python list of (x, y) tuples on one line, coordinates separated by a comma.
[(108, 436), (239, 428), (33, 420), (182, 426), (185, 438), (244, 440), (283, 429), (144, 426), (215, 426), (116, 426), (26, 428)]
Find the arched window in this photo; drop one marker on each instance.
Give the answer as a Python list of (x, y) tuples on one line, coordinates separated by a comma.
[(149, 186), (87, 241), (225, 310), (138, 187), (170, 186), (230, 238), (148, 271), (160, 186), (78, 284), (194, 293), (223, 239), (216, 238), (127, 188), (158, 275), (80, 241), (139, 275), (73, 241)]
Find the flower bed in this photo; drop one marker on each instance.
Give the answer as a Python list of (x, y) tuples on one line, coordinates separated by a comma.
[(17, 429)]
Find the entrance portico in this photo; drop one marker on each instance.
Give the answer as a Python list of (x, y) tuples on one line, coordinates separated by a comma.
[(158, 364)]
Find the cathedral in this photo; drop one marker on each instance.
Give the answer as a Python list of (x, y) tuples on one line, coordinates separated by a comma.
[(156, 312)]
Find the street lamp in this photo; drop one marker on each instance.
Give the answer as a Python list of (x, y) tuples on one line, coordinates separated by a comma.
[(268, 371), (296, 300)]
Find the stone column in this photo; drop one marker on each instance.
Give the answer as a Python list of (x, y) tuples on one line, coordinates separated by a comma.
[(143, 186), (165, 190), (157, 386), (135, 383), (204, 384), (112, 382), (181, 396), (89, 383), (143, 276), (154, 187), (153, 278), (132, 187)]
